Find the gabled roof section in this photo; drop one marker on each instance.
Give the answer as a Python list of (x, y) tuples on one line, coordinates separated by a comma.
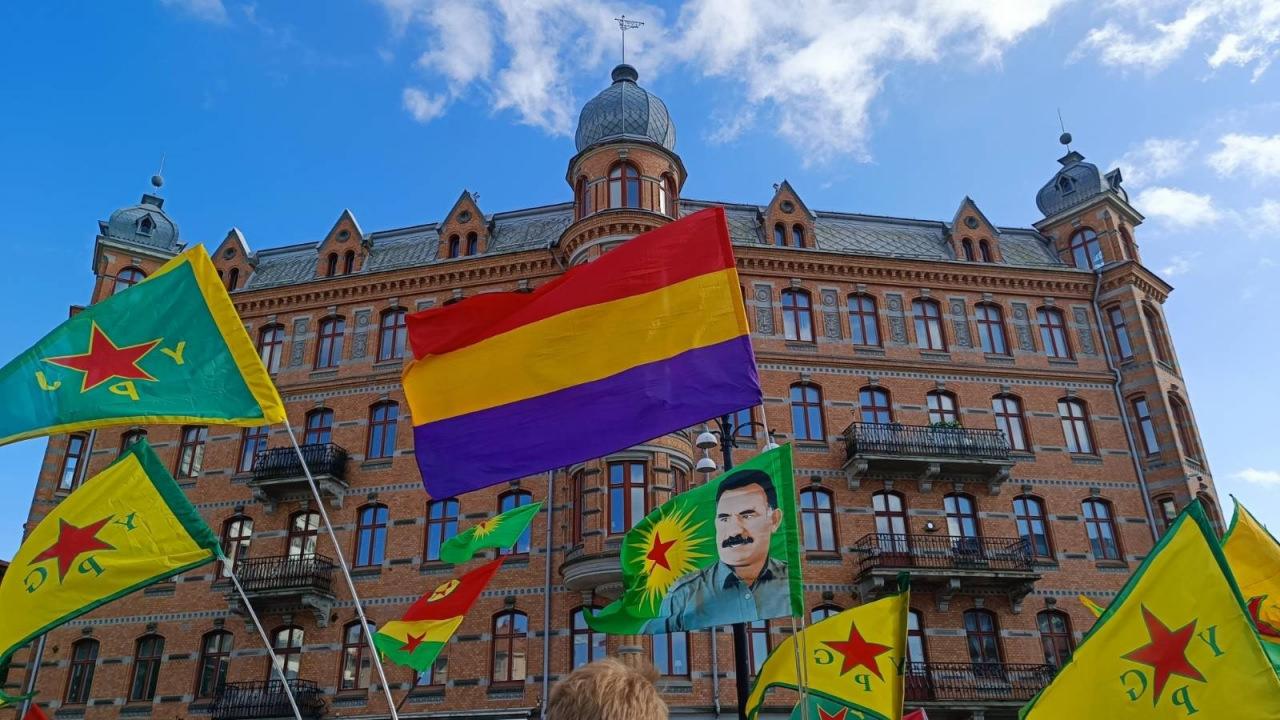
[(969, 209), (786, 192)]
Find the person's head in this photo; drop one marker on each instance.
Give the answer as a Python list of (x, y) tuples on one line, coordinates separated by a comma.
[(746, 515), (607, 688)]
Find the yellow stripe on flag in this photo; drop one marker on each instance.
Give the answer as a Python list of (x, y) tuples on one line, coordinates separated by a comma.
[(424, 630)]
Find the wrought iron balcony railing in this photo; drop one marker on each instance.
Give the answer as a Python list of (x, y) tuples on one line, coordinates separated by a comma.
[(894, 439), (942, 552), (245, 700), (286, 572), (975, 682), (279, 463)]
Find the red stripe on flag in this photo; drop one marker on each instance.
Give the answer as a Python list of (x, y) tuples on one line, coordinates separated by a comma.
[(454, 597)]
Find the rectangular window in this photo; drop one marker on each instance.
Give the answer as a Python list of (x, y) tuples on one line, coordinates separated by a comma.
[(146, 668), (928, 317), (437, 674), (329, 344), (191, 451), (1053, 333), (1146, 428), (1101, 530), (1121, 333), (671, 654), (626, 495), (442, 524), (863, 326), (70, 475), (252, 442)]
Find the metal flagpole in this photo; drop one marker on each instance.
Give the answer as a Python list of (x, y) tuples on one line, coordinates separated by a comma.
[(546, 600), (342, 565), (802, 666), (248, 606)]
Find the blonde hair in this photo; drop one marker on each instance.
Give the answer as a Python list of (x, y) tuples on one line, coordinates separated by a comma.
[(608, 689)]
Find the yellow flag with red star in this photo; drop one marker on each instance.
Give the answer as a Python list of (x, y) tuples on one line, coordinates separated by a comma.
[(1254, 557), (1176, 642), (125, 528)]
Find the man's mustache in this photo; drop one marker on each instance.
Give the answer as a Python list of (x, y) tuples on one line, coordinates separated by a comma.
[(736, 540)]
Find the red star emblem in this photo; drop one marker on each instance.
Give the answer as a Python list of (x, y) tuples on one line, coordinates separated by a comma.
[(658, 553), (1255, 612), (72, 543), (858, 652), (1167, 651), (412, 643), (105, 360), (824, 715)]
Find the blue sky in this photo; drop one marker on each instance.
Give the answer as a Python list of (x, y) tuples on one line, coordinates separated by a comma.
[(274, 120)]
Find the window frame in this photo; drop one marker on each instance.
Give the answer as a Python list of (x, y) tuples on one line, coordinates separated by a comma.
[(827, 540), (233, 279), (81, 670), (329, 342), (953, 510), (797, 235), (578, 628), (192, 440), (286, 653), (1077, 431), (380, 440), (1095, 523), (510, 639), (126, 278), (797, 315), (348, 262), (1184, 428), (991, 329), (626, 491), (525, 542), (578, 487), (1052, 641), (317, 427), (808, 403), (779, 235), (826, 610), (756, 630), (331, 265), (308, 534), (271, 349), (1079, 247), (1146, 425), (393, 332), (944, 414), (860, 315), (220, 655), (927, 316), (72, 458), (988, 639), (1025, 515), (875, 402), (1003, 416), (1054, 339), (129, 438), (445, 526), (1162, 505), (473, 244), (236, 539), (627, 177), (966, 247), (253, 440), (355, 653), (1160, 348), (372, 522), (455, 246), (984, 251), (668, 642), (1120, 333), (148, 664)]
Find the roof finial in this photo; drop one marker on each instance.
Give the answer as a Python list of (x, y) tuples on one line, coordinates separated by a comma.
[(157, 180), (624, 24), (1065, 137)]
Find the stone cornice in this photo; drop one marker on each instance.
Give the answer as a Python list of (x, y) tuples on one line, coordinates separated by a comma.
[(1139, 276), (882, 366), (618, 222)]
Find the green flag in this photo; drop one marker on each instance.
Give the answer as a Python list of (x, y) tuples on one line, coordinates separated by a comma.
[(496, 532), (170, 349), (725, 552)]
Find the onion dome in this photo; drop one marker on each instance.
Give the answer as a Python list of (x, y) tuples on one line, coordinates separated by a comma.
[(625, 111)]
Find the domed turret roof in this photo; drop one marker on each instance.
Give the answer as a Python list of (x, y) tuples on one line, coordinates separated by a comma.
[(143, 224), (625, 111), (1078, 181)]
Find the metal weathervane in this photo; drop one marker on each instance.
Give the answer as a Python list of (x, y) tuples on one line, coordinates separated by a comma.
[(624, 24)]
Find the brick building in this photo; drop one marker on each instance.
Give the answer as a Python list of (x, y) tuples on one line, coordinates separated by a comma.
[(998, 410)]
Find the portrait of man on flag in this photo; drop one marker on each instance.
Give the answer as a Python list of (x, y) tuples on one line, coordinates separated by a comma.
[(746, 584)]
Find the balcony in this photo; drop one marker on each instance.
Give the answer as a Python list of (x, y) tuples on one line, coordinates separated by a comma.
[(946, 566), (278, 474), (967, 687), (287, 583), (600, 573), (926, 454), (246, 700)]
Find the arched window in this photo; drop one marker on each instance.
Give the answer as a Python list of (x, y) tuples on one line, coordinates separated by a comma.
[(148, 651), (1055, 637), (1100, 526), (671, 654), (455, 246), (1166, 511), (742, 427), (627, 505), (1053, 333), (233, 279), (864, 322), (329, 343), (331, 265), (1146, 427), (127, 278), (890, 513), (437, 675), (797, 235), (984, 251), (1120, 333), (1185, 429), (393, 331), (253, 440), (942, 407), (69, 476), (473, 244), (818, 520), (983, 635), (580, 194), (1008, 412), (806, 412), (215, 659), (319, 427), (928, 317), (586, 644), (779, 235), (237, 535), (757, 644), (1033, 525), (679, 480), (509, 656), (874, 405), (624, 186), (131, 438), (357, 661), (382, 429), (286, 643), (1130, 250), (824, 611), (667, 196), (966, 245), (1086, 251), (371, 535), (304, 530), (442, 524), (1211, 510), (1075, 425), (1159, 340), (271, 346), (797, 315), (991, 329), (962, 515), (84, 658), (511, 500), (191, 451)]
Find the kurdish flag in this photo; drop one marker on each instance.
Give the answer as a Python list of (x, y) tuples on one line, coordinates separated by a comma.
[(125, 528), (1177, 641), (416, 639), (1254, 557), (853, 662), (724, 552), (649, 338), (496, 532), (170, 349)]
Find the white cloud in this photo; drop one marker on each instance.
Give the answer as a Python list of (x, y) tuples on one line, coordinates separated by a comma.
[(1179, 264), (207, 10), (1258, 477), (1154, 159), (1176, 207), (1266, 217), (1255, 155), (423, 107), (1116, 46)]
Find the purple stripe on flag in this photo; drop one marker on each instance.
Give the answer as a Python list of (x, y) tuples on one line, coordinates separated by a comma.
[(468, 452)]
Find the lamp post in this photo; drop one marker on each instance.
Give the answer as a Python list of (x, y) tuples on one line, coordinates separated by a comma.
[(726, 436)]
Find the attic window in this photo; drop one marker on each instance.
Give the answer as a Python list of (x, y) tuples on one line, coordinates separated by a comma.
[(146, 225), (464, 216), (343, 234), (229, 253), (971, 222), (787, 206), (1066, 185)]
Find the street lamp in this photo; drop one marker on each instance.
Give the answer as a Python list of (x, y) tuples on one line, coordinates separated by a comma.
[(726, 436)]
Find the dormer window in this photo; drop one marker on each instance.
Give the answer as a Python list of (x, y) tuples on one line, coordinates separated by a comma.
[(967, 246), (984, 251), (331, 265), (1066, 185), (455, 246), (146, 225), (349, 262), (473, 244)]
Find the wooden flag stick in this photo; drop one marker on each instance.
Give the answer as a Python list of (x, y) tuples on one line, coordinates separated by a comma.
[(248, 606)]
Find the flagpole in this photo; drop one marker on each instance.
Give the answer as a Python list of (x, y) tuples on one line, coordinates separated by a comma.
[(802, 668), (32, 674), (342, 565), (546, 599), (248, 606)]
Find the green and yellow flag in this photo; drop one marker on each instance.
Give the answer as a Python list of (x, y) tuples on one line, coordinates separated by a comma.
[(125, 528), (496, 532), (416, 639), (1254, 558), (853, 661), (170, 349), (1176, 642), (725, 552)]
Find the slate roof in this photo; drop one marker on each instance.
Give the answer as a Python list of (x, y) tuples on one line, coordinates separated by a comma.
[(624, 110)]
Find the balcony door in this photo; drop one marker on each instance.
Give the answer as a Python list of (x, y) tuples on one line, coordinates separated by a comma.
[(891, 529), (304, 529), (983, 635)]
